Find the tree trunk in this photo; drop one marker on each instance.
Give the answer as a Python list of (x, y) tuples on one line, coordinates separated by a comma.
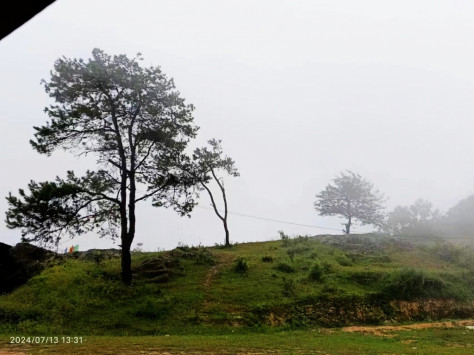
[(126, 264), (348, 226), (227, 238)]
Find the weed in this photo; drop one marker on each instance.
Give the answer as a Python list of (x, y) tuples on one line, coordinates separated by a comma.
[(289, 287), (316, 273), (153, 310), (343, 260), (241, 266), (200, 255), (284, 267), (291, 254), (366, 278), (267, 259), (413, 283), (284, 238)]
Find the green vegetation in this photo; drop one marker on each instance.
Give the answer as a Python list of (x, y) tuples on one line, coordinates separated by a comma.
[(328, 281), (443, 340)]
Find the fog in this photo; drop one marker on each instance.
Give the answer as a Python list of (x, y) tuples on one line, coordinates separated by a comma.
[(296, 91)]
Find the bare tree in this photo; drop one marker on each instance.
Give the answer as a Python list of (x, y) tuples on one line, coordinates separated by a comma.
[(209, 161)]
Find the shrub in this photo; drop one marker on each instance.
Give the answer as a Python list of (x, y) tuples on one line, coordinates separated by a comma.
[(152, 310), (412, 283), (291, 254), (284, 238), (289, 287), (327, 267), (241, 266), (366, 278), (284, 267), (200, 255), (316, 273), (267, 259), (343, 260)]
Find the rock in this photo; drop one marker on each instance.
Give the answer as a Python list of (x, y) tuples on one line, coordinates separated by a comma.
[(159, 269), (19, 263)]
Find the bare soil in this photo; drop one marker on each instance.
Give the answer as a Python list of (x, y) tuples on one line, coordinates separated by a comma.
[(385, 330)]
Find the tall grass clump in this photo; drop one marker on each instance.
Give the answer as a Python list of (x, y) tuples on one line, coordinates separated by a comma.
[(316, 273), (241, 266), (284, 267), (414, 283)]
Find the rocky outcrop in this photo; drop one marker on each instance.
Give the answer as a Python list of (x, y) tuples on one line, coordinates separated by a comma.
[(159, 270), (19, 263)]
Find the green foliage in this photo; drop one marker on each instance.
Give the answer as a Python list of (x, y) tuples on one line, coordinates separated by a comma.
[(241, 266), (200, 255), (289, 287), (284, 267), (412, 283), (316, 272), (418, 219), (133, 120), (153, 309), (284, 238), (267, 259), (86, 297), (351, 197), (207, 163), (343, 260), (366, 278)]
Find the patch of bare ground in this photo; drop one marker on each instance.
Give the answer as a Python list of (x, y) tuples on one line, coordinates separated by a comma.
[(211, 275), (386, 330), (210, 303), (223, 260)]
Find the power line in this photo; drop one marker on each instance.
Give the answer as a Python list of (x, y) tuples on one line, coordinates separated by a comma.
[(429, 237), (273, 220), (336, 229)]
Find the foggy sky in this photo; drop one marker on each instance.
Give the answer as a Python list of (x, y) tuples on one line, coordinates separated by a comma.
[(297, 91)]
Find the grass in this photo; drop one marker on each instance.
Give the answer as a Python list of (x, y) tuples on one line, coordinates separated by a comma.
[(294, 283), (422, 341)]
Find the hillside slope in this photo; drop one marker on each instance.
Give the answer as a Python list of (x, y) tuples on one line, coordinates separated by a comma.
[(327, 281)]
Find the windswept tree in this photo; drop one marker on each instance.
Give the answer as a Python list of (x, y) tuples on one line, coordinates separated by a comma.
[(137, 126), (352, 198), (208, 163)]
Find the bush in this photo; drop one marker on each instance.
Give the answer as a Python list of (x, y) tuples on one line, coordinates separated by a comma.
[(200, 255), (327, 267), (316, 273), (241, 266), (152, 310), (412, 283), (291, 254), (284, 238), (284, 267), (267, 259), (289, 287), (343, 260), (366, 278)]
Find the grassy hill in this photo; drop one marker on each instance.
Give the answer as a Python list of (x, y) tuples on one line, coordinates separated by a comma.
[(292, 283)]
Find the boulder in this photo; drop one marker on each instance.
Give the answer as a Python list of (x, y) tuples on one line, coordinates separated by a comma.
[(19, 263)]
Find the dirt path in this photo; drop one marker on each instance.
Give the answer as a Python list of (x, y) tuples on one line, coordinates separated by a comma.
[(385, 330), (210, 303), (223, 260), (211, 275)]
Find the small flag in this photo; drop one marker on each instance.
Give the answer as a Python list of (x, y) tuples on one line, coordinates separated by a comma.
[(76, 248), (71, 249)]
